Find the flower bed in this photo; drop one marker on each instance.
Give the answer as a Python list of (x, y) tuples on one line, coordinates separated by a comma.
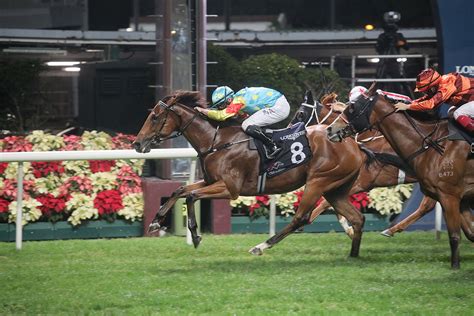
[(72, 191), (250, 214)]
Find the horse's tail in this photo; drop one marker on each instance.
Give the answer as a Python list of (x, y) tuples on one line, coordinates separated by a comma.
[(386, 159)]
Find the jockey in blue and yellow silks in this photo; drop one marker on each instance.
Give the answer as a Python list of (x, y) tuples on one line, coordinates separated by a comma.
[(260, 106)]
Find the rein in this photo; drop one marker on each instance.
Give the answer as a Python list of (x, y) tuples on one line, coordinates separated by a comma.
[(180, 132), (427, 140)]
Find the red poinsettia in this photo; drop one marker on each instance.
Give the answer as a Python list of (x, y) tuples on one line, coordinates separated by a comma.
[(51, 204), (101, 165), (360, 200), (108, 202), (4, 205), (3, 166), (16, 143), (72, 142), (122, 141), (42, 169)]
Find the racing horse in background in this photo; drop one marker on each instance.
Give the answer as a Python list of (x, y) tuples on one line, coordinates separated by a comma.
[(230, 169), (444, 167), (383, 167)]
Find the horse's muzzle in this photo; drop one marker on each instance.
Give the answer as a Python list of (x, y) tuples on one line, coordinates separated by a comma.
[(141, 147)]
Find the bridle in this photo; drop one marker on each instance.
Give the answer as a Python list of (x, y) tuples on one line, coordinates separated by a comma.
[(169, 108)]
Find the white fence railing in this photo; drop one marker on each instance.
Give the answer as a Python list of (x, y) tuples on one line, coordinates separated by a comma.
[(20, 157)]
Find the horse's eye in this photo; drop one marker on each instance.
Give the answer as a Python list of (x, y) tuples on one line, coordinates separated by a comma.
[(154, 118)]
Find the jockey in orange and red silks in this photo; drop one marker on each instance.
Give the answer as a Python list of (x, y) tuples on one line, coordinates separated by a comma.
[(452, 89)]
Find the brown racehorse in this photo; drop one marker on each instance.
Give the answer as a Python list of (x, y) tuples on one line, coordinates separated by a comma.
[(230, 169), (442, 166), (376, 173)]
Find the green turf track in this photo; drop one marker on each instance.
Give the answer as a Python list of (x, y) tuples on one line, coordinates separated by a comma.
[(307, 274)]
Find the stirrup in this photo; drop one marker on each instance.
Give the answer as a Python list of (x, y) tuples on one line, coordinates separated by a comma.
[(274, 152), (472, 148)]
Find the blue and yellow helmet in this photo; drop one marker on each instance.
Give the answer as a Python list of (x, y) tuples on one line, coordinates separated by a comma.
[(220, 95)]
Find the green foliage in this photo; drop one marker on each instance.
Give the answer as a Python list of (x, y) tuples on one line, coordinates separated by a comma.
[(19, 94), (275, 71), (306, 274), (226, 72)]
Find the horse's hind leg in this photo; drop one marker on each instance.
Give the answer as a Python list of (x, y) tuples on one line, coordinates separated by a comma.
[(466, 220), (426, 205), (182, 191), (309, 198), (345, 208), (324, 205), (452, 216)]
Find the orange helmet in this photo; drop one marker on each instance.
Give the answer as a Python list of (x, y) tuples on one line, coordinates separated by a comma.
[(426, 79)]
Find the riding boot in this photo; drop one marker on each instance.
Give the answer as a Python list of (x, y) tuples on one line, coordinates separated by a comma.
[(271, 149)]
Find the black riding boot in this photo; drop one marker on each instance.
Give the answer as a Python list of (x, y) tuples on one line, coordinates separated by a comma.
[(271, 149)]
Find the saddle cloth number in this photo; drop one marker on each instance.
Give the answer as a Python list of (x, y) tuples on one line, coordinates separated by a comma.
[(297, 154)]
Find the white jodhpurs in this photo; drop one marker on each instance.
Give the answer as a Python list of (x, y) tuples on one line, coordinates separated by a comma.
[(268, 116), (466, 109)]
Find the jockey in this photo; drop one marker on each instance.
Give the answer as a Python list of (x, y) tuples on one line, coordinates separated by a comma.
[(452, 88), (260, 106), (358, 90)]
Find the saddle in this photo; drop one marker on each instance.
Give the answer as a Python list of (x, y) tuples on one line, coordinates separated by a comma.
[(457, 133), (295, 152)]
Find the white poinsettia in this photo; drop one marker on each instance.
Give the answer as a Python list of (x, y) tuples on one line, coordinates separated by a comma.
[(45, 142), (30, 210), (49, 184), (103, 181), (96, 140), (285, 203), (11, 172), (76, 167), (81, 207), (390, 200), (133, 206), (242, 201)]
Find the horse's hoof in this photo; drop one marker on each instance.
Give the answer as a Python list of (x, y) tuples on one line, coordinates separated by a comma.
[(155, 226), (386, 233), (197, 241), (256, 251)]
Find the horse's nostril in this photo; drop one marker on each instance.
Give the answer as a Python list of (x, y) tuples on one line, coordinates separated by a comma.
[(136, 145)]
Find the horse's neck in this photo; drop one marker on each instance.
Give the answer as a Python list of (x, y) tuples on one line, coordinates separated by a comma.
[(401, 134), (200, 133)]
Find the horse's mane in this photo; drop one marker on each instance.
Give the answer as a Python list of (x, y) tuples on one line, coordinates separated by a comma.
[(192, 99), (188, 98), (429, 117)]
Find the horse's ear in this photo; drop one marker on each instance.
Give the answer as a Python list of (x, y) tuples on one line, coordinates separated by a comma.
[(372, 89), (308, 97)]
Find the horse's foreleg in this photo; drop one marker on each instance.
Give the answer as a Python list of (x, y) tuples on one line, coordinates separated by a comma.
[(216, 190), (192, 223), (426, 205), (309, 198), (182, 191), (452, 216)]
